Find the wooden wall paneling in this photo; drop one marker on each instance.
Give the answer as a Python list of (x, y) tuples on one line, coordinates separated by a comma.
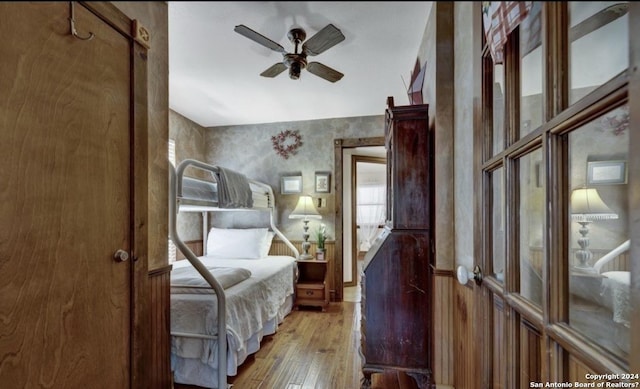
[(160, 364), (465, 344), (447, 323), (578, 371), (499, 347), (193, 245), (530, 355)]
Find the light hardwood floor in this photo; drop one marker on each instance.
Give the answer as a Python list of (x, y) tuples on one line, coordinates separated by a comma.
[(311, 350)]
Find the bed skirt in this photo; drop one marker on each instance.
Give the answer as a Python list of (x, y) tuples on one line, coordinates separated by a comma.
[(193, 371)]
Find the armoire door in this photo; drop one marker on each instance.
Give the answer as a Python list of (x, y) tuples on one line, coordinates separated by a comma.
[(66, 198)]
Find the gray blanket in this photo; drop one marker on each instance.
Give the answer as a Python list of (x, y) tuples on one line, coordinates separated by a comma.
[(233, 190), (187, 280)]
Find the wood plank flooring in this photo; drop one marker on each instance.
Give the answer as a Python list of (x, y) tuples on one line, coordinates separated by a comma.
[(311, 350)]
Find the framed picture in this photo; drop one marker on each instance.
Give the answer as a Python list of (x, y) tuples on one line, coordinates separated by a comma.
[(323, 182), (291, 184), (606, 172)]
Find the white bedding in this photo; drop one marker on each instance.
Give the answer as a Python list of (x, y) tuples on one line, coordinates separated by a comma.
[(616, 292), (255, 307), (187, 279)]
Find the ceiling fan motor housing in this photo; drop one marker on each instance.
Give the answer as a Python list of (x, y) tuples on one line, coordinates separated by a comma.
[(295, 63), (296, 36)]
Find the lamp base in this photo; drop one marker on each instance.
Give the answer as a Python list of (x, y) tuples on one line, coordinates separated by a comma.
[(305, 244)]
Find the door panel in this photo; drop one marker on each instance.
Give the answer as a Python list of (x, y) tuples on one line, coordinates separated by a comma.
[(65, 200), (530, 355), (498, 345)]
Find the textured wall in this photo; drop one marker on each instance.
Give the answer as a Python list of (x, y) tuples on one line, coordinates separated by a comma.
[(437, 51), (189, 139), (154, 16), (249, 149), (464, 80)]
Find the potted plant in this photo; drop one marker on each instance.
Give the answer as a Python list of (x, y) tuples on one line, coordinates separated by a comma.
[(321, 237)]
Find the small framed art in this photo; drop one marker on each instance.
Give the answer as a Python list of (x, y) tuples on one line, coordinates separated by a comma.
[(323, 182), (606, 172), (291, 184)]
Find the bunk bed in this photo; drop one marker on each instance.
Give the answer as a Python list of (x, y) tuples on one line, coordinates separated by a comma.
[(235, 276)]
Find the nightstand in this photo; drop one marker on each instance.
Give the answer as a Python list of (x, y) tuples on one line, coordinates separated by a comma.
[(311, 286)]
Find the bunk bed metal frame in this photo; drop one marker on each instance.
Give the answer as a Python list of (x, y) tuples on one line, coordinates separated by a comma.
[(178, 203)]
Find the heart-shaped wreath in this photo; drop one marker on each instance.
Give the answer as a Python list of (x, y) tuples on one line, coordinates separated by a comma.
[(287, 143)]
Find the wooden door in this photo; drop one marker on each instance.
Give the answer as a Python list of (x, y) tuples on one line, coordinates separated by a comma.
[(542, 302), (65, 199)]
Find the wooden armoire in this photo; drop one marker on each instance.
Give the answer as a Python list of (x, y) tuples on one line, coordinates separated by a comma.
[(73, 197), (396, 282)]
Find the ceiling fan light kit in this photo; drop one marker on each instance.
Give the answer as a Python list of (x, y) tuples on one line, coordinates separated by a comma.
[(297, 61)]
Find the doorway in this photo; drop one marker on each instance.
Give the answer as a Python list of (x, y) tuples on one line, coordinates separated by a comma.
[(344, 149), (368, 205)]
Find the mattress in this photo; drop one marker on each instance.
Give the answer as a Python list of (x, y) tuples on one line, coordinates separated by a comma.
[(255, 307)]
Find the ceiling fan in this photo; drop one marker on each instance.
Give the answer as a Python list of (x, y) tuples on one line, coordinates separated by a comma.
[(296, 61)]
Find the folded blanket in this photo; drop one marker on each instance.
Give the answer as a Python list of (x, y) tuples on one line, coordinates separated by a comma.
[(233, 190), (187, 280)]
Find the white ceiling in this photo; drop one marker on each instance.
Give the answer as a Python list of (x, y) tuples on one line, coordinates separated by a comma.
[(214, 72)]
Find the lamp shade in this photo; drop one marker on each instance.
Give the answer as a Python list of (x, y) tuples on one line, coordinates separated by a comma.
[(305, 209), (586, 204)]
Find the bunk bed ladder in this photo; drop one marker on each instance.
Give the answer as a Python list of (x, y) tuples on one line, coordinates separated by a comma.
[(174, 179)]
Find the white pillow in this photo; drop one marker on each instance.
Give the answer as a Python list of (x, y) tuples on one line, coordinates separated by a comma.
[(266, 244), (245, 243)]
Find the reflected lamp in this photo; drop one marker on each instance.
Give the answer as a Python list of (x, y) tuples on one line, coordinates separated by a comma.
[(586, 207)]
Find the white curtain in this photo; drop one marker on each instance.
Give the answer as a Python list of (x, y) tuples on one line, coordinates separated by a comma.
[(370, 212)]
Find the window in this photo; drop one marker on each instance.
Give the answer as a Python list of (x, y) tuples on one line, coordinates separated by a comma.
[(371, 212)]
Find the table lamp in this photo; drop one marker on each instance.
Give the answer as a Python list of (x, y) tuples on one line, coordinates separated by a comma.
[(305, 210)]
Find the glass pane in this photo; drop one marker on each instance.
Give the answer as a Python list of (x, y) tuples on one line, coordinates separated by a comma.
[(498, 108), (598, 250), (597, 52), (531, 225), (498, 246), (531, 70)]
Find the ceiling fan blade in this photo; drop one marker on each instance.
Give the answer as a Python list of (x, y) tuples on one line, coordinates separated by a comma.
[(323, 40), (590, 24), (597, 20), (274, 70), (258, 38), (324, 71)]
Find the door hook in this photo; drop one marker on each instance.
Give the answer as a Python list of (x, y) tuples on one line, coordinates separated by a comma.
[(72, 25)]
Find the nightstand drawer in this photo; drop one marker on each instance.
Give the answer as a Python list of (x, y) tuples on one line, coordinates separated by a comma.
[(310, 291)]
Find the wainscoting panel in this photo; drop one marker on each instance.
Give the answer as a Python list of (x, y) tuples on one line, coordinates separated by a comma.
[(465, 365), (530, 355), (193, 245), (160, 369), (578, 371), (499, 347), (445, 324)]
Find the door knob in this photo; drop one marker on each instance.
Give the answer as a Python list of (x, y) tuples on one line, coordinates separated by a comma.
[(465, 275), (121, 256)]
